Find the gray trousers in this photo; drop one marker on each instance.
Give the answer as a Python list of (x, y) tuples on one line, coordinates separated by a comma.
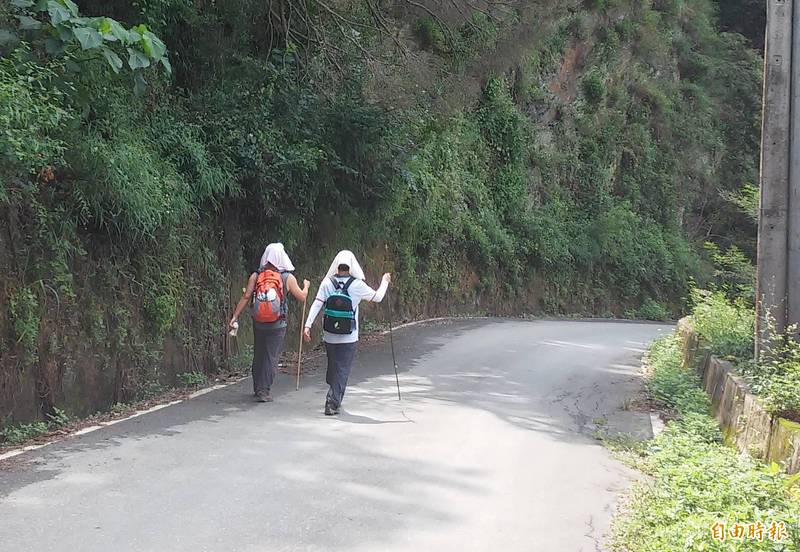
[(340, 361), (267, 349)]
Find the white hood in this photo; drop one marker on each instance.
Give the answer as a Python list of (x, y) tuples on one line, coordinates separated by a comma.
[(276, 255), (346, 257)]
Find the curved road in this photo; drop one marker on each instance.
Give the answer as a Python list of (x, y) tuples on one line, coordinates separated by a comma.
[(491, 448)]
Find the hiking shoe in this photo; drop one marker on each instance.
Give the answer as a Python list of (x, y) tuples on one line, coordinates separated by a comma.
[(267, 396), (329, 411), (262, 397)]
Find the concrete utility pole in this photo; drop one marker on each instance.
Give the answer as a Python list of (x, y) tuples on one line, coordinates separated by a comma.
[(778, 255), (793, 246)]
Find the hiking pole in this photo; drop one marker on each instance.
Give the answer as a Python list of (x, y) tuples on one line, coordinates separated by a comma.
[(394, 359), (300, 352)]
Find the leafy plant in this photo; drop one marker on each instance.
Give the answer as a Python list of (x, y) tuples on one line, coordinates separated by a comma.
[(242, 363), (192, 379), (776, 375), (747, 199), (61, 30), (670, 384), (593, 86), (120, 408), (653, 310), (149, 389), (695, 480), (431, 35), (58, 418), (32, 115), (727, 326), (17, 434), (734, 273), (24, 310)]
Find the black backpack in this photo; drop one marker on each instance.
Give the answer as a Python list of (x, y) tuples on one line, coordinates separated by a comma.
[(340, 317)]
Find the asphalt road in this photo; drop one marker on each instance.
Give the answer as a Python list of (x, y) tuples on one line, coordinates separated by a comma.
[(490, 449)]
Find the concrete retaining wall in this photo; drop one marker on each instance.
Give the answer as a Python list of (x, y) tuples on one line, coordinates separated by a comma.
[(744, 421)]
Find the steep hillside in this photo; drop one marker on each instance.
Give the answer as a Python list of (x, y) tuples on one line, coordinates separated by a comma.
[(528, 157)]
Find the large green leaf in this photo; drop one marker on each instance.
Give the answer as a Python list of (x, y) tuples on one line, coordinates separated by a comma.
[(113, 59), (22, 3), (58, 13), (137, 60), (88, 37), (71, 6), (113, 31), (28, 23), (152, 45)]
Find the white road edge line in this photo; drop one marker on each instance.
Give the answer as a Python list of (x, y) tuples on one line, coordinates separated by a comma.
[(16, 452), (428, 320)]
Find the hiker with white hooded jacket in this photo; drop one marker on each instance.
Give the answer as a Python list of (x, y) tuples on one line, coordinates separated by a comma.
[(340, 292), (267, 293)]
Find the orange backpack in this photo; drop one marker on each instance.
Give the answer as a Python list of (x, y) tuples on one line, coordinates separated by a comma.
[(268, 297)]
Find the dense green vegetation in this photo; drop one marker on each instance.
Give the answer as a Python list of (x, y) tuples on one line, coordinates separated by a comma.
[(727, 327), (554, 157), (697, 481)]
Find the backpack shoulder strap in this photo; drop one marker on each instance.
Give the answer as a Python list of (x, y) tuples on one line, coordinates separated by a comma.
[(346, 286), (336, 284)]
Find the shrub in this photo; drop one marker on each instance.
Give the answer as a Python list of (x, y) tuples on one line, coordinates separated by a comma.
[(670, 384), (593, 86), (59, 418), (783, 393), (16, 434), (695, 480), (727, 326), (653, 310), (24, 310), (734, 273), (431, 35), (776, 376), (626, 29), (32, 115), (192, 379)]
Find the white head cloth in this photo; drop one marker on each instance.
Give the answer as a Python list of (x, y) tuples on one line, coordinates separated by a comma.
[(276, 255), (346, 257)]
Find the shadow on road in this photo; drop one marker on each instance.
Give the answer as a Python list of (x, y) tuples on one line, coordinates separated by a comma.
[(208, 453)]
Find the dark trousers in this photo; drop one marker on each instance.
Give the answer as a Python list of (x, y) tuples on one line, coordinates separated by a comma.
[(267, 349), (340, 361)]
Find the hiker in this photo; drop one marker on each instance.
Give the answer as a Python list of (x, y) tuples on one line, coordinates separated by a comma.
[(266, 292), (340, 293)]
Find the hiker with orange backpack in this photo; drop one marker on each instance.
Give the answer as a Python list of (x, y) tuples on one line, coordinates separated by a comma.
[(267, 293)]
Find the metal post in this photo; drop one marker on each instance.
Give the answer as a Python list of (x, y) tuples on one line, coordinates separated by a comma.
[(771, 285)]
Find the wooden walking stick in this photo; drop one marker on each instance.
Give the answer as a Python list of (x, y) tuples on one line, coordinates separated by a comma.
[(300, 352)]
